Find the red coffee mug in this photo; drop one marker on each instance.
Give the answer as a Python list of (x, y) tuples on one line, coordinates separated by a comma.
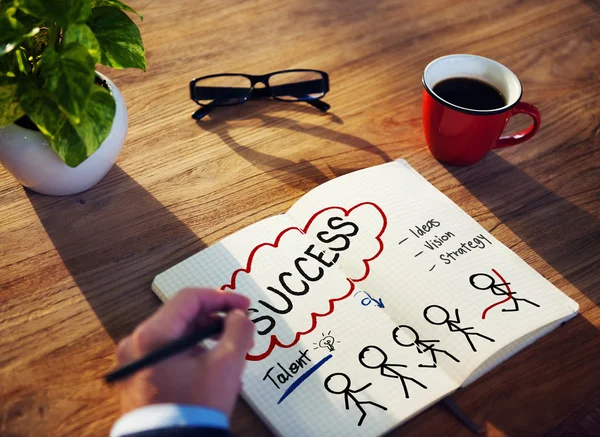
[(462, 136)]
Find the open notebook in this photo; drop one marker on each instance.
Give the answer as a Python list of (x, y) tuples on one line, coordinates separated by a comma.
[(373, 297)]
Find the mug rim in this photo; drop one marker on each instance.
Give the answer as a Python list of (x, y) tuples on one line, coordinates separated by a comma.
[(458, 108)]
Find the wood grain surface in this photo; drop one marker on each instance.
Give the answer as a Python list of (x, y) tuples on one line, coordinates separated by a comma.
[(75, 271)]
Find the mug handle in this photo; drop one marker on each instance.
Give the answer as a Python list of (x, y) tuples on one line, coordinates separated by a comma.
[(524, 135)]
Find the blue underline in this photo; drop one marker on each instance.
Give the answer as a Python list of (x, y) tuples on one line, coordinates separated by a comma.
[(302, 378)]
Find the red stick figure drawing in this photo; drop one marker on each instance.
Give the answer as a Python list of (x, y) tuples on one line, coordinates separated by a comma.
[(483, 281)]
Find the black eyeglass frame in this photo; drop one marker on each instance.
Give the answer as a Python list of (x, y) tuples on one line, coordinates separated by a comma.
[(260, 93)]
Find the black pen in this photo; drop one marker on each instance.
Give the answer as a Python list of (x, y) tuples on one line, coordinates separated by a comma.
[(165, 352)]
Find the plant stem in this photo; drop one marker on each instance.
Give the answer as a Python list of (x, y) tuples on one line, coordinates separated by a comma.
[(53, 34)]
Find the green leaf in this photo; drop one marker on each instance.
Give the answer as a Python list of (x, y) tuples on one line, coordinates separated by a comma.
[(10, 108), (95, 125), (14, 64), (12, 32), (29, 21), (43, 111), (97, 119), (116, 4), (119, 38), (82, 34), (5, 5), (72, 143), (63, 12), (69, 76)]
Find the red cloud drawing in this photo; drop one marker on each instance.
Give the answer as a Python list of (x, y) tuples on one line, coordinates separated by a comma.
[(357, 275)]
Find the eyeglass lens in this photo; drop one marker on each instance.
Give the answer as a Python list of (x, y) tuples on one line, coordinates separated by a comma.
[(223, 90), (233, 89), (297, 85)]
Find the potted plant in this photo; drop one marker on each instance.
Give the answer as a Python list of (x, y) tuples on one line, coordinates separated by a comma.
[(62, 124)]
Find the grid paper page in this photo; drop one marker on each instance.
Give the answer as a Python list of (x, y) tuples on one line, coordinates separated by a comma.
[(213, 266), (317, 406), (442, 275), (300, 386)]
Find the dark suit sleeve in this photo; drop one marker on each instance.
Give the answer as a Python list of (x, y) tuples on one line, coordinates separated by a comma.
[(182, 432)]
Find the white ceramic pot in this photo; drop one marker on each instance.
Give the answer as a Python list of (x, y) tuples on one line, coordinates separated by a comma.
[(28, 157)]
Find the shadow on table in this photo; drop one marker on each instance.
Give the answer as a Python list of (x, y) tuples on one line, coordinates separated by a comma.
[(113, 239), (558, 373), (593, 4), (301, 175), (564, 235)]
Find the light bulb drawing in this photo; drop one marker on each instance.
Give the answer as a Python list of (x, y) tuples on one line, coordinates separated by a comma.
[(326, 342)]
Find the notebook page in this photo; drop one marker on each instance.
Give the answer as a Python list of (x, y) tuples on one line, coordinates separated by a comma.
[(316, 405), (209, 267), (447, 282), (298, 368)]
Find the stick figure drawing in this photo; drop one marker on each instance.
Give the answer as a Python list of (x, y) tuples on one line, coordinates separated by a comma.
[(483, 281), (437, 315), (339, 383), (406, 336), (373, 357)]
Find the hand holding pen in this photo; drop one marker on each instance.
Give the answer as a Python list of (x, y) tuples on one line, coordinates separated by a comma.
[(196, 375)]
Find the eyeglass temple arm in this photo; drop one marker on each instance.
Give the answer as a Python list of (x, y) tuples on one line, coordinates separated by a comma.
[(260, 93), (301, 90), (202, 112), (319, 104), (205, 110)]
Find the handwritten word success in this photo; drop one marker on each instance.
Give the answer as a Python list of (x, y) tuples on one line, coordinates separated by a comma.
[(294, 267)]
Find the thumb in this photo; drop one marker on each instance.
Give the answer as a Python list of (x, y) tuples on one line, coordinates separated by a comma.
[(237, 338)]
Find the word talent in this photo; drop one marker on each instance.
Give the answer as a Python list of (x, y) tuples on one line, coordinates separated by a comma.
[(308, 268), (284, 374)]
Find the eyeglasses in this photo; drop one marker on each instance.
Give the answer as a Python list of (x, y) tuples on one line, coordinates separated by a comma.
[(234, 89)]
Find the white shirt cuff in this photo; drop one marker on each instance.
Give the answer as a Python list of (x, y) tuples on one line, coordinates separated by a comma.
[(168, 415)]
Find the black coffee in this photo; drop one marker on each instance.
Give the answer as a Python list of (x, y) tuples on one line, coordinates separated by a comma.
[(470, 93)]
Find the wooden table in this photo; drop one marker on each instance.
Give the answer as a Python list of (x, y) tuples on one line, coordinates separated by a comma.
[(75, 272)]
